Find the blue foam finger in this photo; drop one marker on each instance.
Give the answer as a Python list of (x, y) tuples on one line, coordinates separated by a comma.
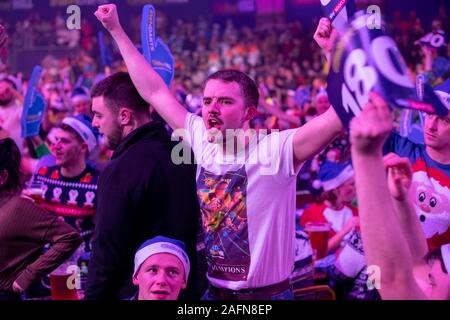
[(155, 51), (163, 62), (34, 106)]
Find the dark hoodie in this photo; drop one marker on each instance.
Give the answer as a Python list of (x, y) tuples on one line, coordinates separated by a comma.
[(141, 194)]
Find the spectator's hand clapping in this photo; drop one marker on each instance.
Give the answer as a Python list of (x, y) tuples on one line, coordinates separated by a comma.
[(399, 176)]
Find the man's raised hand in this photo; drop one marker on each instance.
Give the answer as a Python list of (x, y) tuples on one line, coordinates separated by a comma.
[(325, 35), (107, 15)]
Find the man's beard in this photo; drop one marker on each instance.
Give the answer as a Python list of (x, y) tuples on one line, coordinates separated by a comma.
[(114, 139)]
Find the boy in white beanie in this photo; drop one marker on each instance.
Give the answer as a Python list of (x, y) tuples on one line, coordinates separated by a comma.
[(161, 269)]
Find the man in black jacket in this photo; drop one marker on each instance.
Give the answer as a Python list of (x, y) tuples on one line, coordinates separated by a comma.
[(141, 193)]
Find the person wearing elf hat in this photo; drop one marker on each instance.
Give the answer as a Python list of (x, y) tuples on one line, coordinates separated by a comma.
[(161, 269), (70, 187), (337, 183)]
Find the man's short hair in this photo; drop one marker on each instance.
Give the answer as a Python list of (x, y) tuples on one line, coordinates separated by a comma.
[(118, 91), (248, 86)]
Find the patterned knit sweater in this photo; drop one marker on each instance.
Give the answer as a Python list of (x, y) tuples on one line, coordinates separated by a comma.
[(72, 198)]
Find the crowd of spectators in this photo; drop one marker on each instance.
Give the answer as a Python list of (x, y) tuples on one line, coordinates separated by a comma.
[(288, 67)]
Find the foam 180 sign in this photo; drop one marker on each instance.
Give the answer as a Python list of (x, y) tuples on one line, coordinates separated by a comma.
[(367, 60)]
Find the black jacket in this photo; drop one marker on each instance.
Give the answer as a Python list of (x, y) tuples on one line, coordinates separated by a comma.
[(141, 194)]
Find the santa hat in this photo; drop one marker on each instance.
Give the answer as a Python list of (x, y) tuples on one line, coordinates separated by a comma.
[(82, 125), (443, 92), (162, 244), (80, 94), (332, 175)]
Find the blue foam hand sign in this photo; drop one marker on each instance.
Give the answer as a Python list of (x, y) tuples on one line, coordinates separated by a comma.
[(105, 52), (155, 51), (162, 61), (339, 12), (34, 106), (367, 60)]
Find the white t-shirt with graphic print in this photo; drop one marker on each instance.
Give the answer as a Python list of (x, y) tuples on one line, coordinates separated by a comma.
[(247, 203)]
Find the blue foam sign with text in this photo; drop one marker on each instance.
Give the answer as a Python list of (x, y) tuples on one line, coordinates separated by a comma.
[(33, 107), (155, 51)]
